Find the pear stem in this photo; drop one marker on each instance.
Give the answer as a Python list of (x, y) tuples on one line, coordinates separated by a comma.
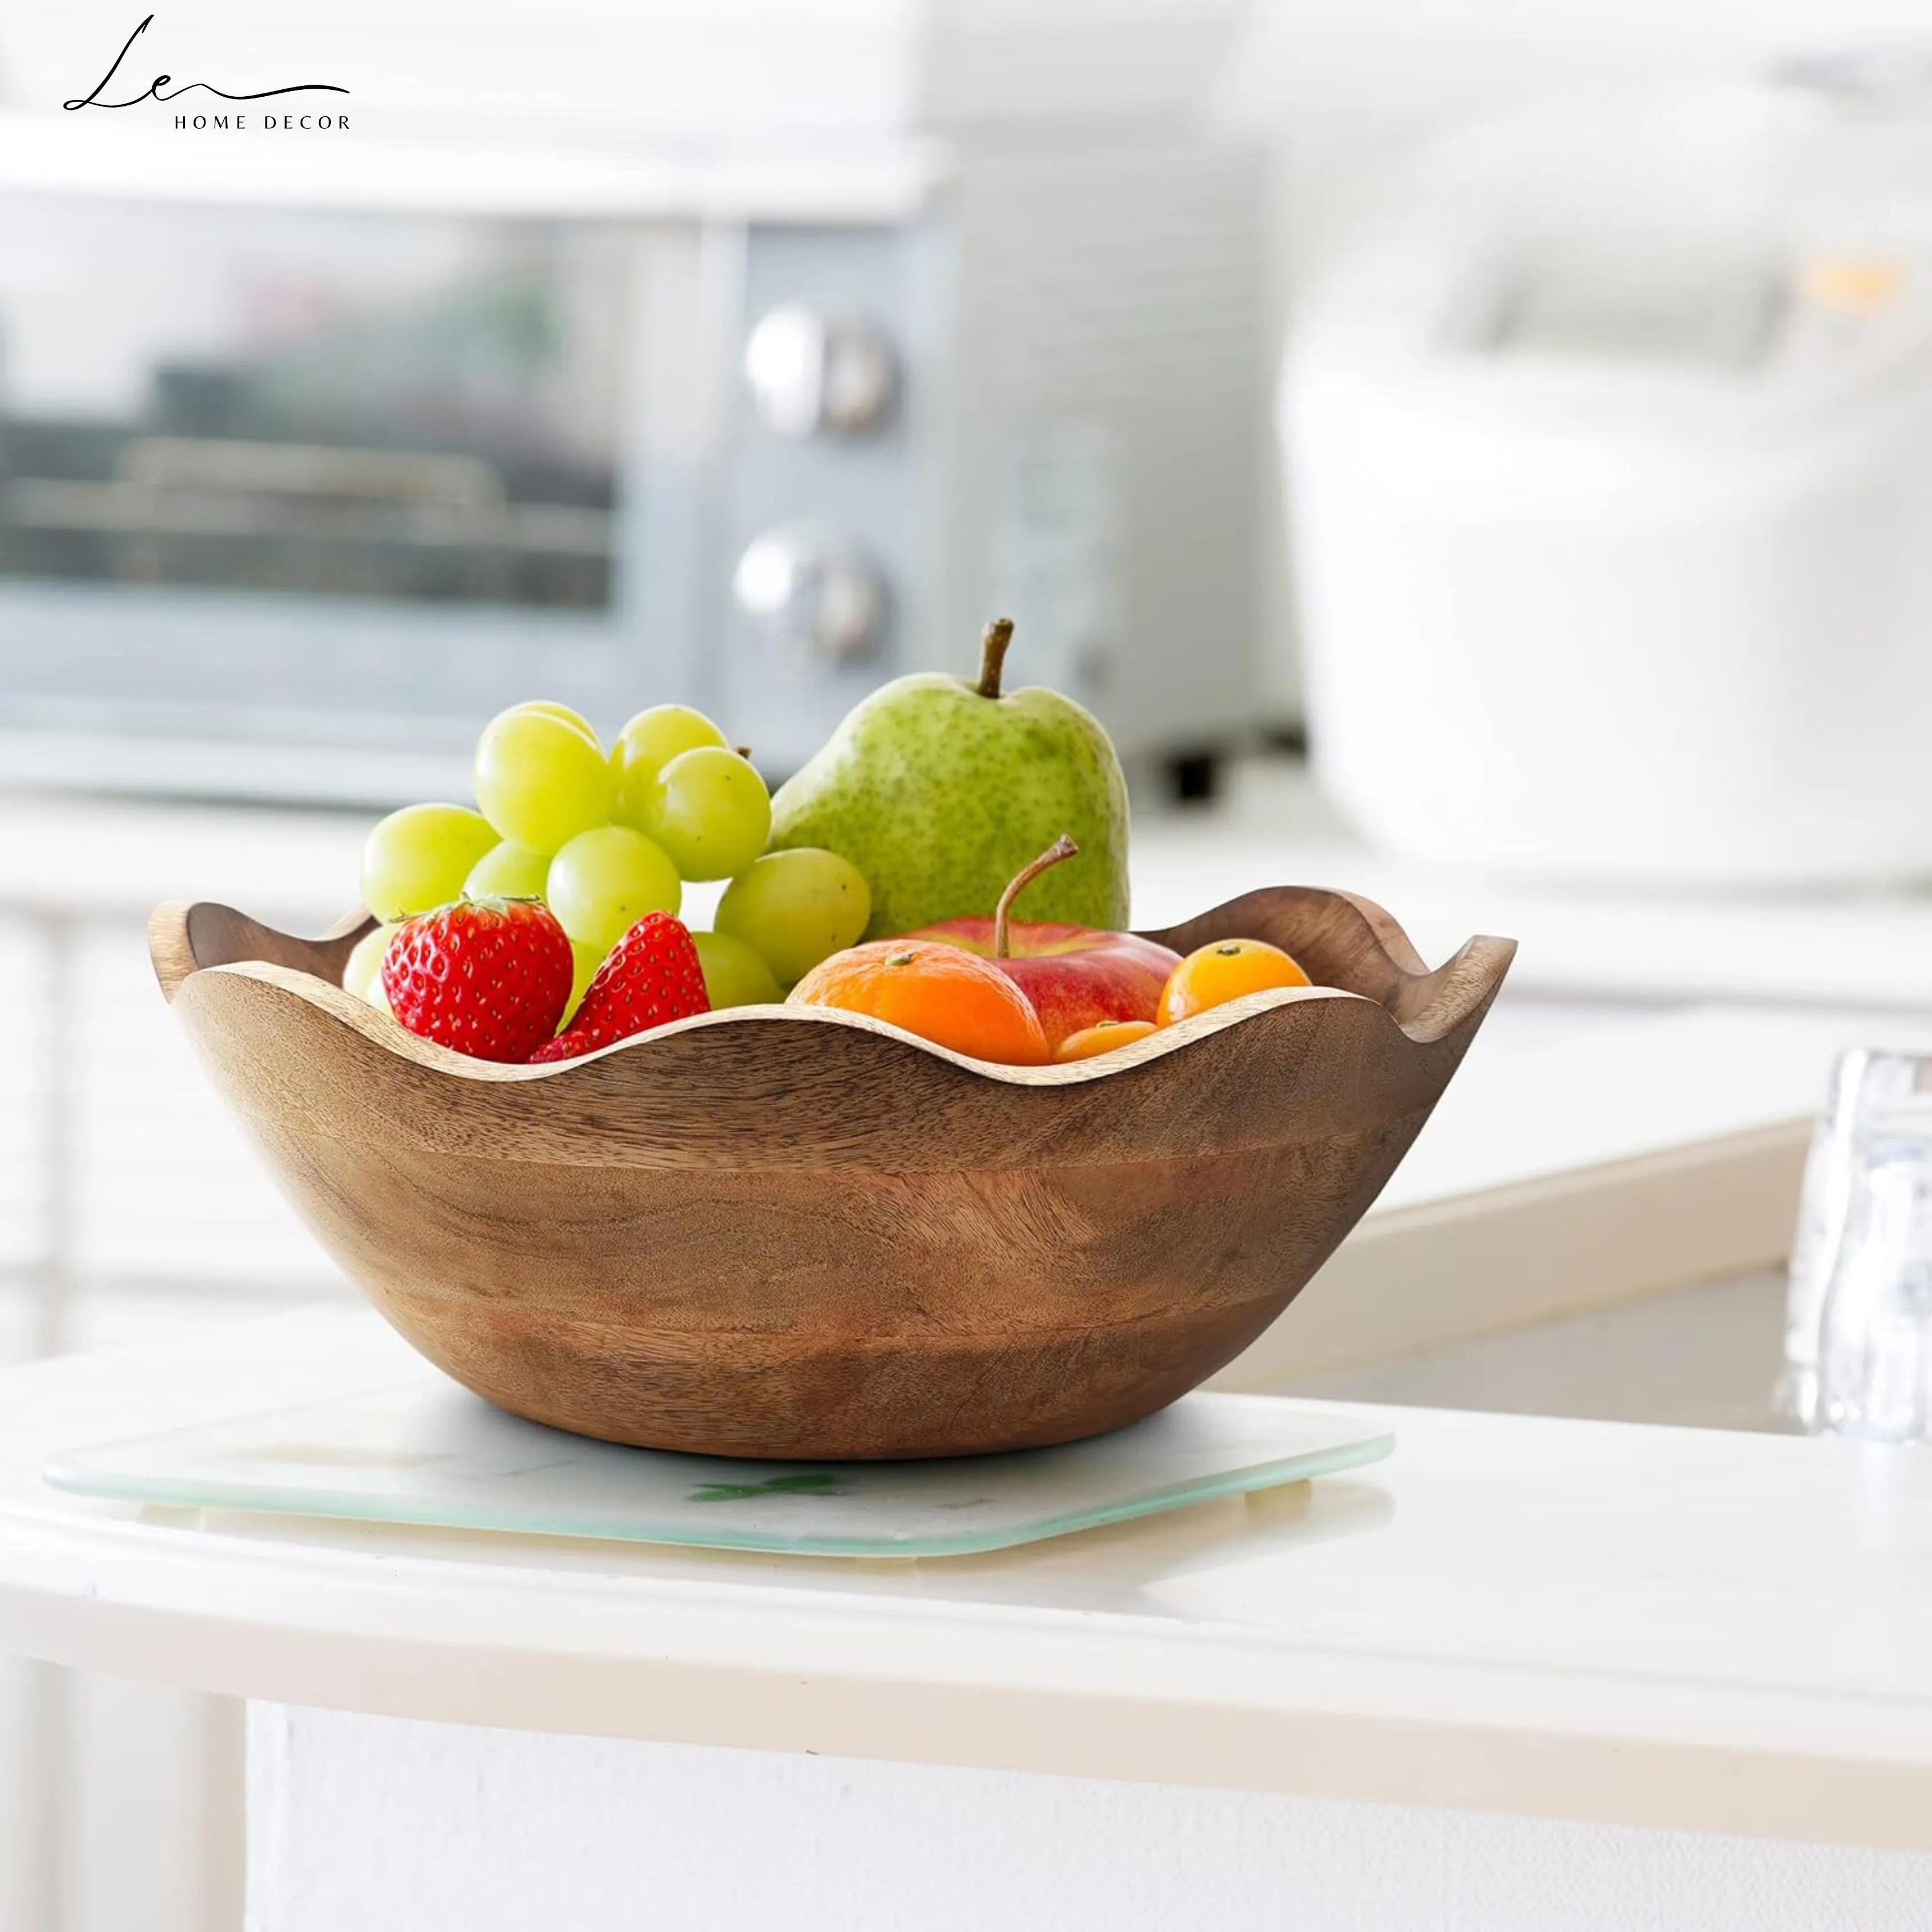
[(1062, 848), (993, 654)]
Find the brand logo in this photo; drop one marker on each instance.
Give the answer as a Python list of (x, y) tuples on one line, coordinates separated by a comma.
[(161, 82)]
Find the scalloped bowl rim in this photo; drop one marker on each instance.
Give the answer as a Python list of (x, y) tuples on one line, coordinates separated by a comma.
[(384, 1030)]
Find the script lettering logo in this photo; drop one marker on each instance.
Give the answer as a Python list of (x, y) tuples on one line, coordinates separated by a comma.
[(162, 80)]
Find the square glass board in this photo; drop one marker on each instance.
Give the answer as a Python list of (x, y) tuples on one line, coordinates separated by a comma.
[(428, 1452)]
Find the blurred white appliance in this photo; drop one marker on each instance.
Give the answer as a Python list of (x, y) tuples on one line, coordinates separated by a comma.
[(307, 466), (1609, 445)]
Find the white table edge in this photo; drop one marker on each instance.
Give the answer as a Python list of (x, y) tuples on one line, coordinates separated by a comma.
[(381, 1628)]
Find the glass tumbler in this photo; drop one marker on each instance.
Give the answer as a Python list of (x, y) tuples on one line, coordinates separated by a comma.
[(1865, 1084), (1874, 1360)]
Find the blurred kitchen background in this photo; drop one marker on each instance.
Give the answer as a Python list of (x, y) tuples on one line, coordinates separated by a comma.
[(748, 353)]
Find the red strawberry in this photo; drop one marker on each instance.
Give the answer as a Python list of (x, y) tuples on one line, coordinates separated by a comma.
[(651, 975), (489, 977)]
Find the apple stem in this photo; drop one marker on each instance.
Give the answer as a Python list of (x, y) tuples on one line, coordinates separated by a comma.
[(1062, 848), (993, 654)]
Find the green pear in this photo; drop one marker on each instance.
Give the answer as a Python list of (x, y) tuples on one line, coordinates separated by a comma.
[(940, 789)]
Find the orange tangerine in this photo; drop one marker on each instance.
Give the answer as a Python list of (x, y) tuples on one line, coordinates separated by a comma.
[(1101, 1037), (1223, 970), (941, 992)]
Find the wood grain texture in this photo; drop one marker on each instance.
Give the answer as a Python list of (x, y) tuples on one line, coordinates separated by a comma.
[(792, 1232)]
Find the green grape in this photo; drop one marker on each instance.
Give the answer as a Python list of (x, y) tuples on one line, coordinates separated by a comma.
[(710, 812), (646, 745), (507, 871), (603, 881), (586, 959), (796, 907), (417, 859), (734, 975), (549, 707), (363, 974), (540, 780)]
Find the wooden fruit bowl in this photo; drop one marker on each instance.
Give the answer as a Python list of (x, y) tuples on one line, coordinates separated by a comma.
[(791, 1232)]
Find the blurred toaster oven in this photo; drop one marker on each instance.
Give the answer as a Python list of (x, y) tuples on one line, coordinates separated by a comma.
[(305, 469)]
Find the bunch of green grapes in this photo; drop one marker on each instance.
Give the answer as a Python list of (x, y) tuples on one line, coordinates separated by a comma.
[(604, 837)]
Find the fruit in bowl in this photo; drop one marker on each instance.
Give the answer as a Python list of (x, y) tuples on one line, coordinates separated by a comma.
[(652, 975), (881, 1219), (1075, 975), (934, 779), (1103, 1036), (487, 977), (937, 991), (603, 844), (1224, 969), (1072, 993), (939, 788)]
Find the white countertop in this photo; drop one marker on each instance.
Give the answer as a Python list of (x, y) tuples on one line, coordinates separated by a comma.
[(1671, 1628)]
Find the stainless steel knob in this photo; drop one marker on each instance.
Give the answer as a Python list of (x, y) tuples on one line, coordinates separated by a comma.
[(807, 374), (818, 594)]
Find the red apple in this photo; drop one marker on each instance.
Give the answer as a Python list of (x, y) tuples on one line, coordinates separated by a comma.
[(1075, 975)]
